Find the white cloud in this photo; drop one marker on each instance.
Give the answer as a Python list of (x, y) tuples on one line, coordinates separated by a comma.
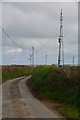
[(14, 50)]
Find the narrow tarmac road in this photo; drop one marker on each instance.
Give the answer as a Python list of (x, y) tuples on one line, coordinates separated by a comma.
[(18, 102)]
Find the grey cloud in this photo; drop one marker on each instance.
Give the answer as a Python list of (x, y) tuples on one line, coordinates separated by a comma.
[(37, 24)]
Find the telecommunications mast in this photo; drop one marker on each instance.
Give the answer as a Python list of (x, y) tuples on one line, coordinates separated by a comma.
[(61, 41)]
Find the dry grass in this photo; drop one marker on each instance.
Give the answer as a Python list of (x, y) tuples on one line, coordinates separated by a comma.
[(10, 72)]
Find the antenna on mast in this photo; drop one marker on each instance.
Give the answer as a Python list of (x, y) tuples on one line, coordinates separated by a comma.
[(60, 41)]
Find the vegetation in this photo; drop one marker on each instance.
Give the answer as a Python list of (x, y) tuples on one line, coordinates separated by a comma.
[(10, 72), (60, 85)]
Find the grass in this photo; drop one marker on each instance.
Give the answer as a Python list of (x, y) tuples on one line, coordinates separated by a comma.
[(10, 72), (72, 112), (60, 85)]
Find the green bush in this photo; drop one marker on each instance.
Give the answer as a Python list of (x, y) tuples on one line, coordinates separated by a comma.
[(57, 84)]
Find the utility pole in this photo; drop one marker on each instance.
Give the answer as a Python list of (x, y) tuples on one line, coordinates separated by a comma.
[(61, 41), (33, 56), (73, 61), (30, 58), (63, 52), (46, 60)]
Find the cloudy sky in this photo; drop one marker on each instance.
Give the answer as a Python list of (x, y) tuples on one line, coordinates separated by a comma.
[(37, 24)]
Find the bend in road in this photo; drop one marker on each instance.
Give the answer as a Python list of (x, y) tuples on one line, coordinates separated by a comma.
[(18, 102)]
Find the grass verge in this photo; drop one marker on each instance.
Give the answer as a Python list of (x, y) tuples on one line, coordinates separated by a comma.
[(70, 111), (60, 85)]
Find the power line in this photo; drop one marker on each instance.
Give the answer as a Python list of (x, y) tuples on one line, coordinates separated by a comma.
[(12, 39)]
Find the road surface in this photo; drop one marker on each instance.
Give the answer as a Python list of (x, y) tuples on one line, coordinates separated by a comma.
[(18, 102)]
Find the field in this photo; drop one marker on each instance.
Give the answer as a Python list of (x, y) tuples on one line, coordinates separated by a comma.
[(59, 85), (10, 72)]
